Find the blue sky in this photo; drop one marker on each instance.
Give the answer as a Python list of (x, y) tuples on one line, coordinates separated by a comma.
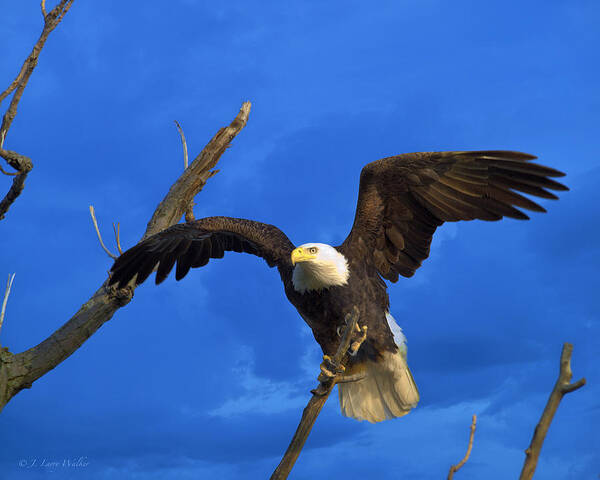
[(206, 378)]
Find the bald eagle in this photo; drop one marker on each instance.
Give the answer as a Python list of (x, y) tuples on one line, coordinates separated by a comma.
[(401, 202)]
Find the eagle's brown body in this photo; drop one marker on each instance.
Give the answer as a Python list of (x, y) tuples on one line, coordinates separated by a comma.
[(401, 202), (324, 311)]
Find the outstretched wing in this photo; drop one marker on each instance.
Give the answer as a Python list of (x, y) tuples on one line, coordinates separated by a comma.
[(403, 199), (192, 244)]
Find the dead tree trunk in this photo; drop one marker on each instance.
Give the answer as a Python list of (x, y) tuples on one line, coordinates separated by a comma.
[(19, 371)]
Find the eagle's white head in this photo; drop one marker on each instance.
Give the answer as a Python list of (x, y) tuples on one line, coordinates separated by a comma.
[(318, 266)]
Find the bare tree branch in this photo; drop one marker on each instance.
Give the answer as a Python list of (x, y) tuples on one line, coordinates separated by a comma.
[(10, 174), (109, 253), (19, 371), (9, 283), (117, 230), (24, 165), (458, 466), (21, 163), (320, 394), (184, 144), (193, 179), (562, 386), (189, 212)]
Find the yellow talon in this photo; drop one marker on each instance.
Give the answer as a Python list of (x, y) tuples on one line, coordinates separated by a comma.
[(359, 341)]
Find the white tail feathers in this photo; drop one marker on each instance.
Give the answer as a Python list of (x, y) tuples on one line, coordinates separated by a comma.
[(387, 391)]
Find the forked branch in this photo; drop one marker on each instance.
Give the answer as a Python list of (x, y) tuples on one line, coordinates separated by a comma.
[(21, 163), (193, 179), (108, 252), (562, 386), (19, 371)]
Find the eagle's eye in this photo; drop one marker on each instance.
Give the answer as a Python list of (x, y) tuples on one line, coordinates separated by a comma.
[(312, 250)]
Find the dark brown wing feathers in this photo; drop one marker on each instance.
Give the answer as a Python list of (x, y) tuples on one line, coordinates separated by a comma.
[(193, 244), (403, 199)]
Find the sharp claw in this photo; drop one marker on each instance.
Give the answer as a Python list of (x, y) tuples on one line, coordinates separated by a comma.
[(353, 350), (329, 368)]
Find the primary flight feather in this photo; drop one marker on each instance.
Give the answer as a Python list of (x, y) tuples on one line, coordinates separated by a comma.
[(401, 202)]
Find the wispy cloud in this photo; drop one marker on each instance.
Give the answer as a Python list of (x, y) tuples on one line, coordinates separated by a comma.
[(259, 395)]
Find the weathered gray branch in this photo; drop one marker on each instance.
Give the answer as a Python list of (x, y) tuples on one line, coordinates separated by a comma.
[(19, 371), (189, 211), (320, 396), (193, 179), (458, 466), (9, 283), (21, 163), (561, 388), (117, 231), (99, 235)]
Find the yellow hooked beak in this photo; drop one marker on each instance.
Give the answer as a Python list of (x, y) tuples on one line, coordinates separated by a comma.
[(301, 255)]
